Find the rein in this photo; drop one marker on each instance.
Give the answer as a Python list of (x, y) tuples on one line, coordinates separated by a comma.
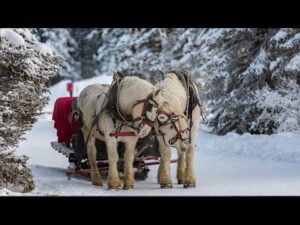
[(172, 118), (143, 117), (146, 107)]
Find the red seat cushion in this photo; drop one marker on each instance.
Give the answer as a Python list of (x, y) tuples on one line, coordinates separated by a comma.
[(61, 112)]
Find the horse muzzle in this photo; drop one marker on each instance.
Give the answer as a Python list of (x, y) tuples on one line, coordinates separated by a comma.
[(185, 144), (173, 140), (144, 131)]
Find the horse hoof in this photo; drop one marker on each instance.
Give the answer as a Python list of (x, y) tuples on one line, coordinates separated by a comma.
[(97, 183), (180, 181), (189, 185), (127, 187), (166, 186)]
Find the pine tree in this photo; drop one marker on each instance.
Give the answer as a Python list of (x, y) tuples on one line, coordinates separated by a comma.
[(62, 42), (25, 68), (88, 40), (243, 63), (135, 51), (79, 47)]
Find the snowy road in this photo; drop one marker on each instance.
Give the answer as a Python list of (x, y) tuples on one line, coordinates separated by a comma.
[(223, 167), (227, 165)]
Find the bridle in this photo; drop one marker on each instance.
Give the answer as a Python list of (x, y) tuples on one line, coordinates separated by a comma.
[(148, 104), (172, 119), (188, 84)]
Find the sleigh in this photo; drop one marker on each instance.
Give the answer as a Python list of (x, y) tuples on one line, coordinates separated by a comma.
[(70, 143)]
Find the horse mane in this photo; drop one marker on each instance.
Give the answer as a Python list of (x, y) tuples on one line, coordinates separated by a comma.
[(173, 93), (170, 86)]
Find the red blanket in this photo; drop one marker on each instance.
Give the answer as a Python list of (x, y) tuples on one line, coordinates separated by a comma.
[(61, 114)]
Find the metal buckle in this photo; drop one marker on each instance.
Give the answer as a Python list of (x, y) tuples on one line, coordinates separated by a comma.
[(173, 117)]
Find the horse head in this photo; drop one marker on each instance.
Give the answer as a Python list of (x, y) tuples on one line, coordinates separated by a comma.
[(144, 113), (173, 127)]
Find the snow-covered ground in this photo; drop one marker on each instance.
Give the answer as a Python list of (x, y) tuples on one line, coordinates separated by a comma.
[(227, 165)]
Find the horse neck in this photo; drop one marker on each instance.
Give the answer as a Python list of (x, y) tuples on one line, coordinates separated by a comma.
[(174, 93)]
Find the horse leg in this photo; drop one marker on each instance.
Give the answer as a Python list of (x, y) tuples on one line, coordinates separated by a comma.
[(180, 166), (92, 153), (128, 167), (113, 158), (164, 176), (190, 179), (158, 174)]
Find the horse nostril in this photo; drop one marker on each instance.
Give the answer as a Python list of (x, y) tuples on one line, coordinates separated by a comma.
[(142, 134)]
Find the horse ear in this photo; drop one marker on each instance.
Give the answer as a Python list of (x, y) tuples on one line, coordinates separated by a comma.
[(157, 92)]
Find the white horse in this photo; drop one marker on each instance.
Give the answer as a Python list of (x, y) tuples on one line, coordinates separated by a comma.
[(174, 128), (137, 99)]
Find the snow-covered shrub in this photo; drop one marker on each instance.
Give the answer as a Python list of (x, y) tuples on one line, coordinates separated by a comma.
[(25, 68)]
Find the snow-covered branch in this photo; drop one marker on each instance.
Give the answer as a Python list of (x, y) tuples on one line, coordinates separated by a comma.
[(25, 68)]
